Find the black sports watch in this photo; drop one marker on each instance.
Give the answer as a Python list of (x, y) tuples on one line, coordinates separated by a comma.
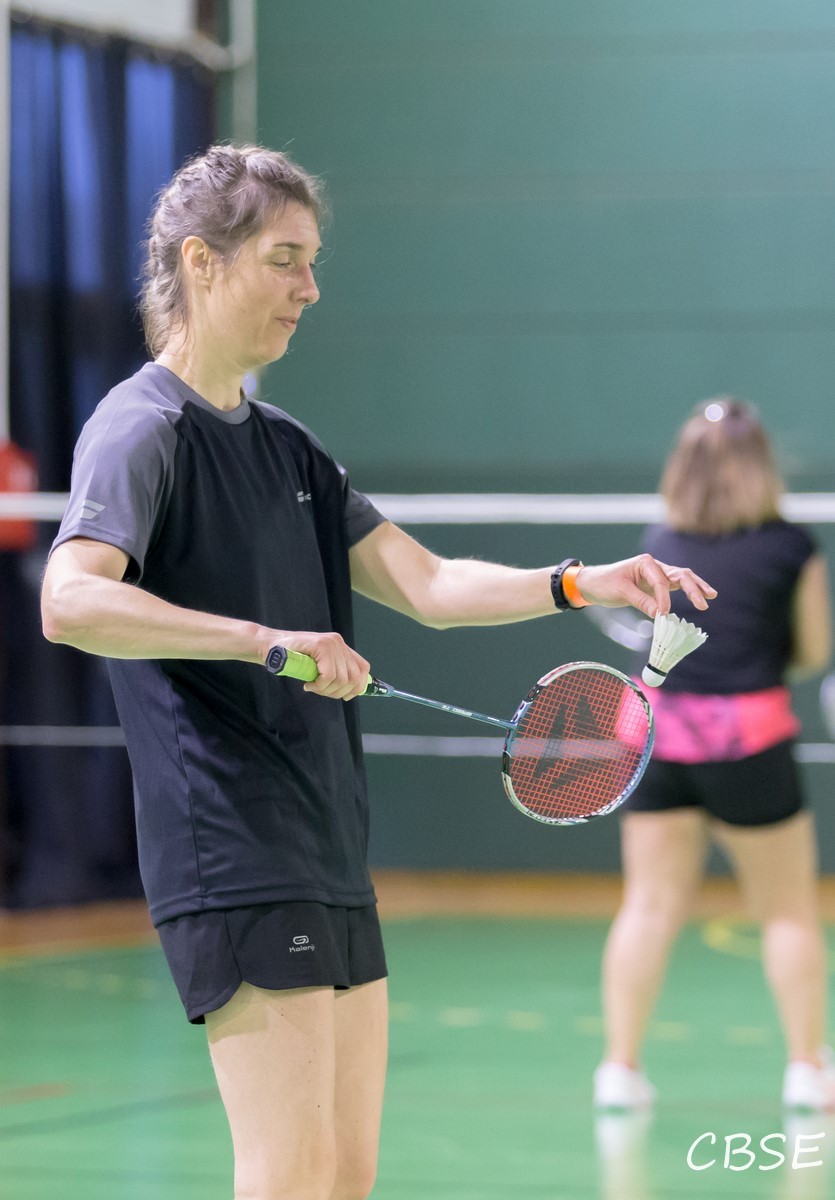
[(560, 599)]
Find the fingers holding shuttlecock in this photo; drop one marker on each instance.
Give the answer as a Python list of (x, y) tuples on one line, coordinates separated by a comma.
[(672, 639)]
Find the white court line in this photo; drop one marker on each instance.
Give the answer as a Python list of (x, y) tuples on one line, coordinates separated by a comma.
[(37, 506), (431, 747), (815, 752), (373, 743), (409, 745), (61, 735), (477, 508)]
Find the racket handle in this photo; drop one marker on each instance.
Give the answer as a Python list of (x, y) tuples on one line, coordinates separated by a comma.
[(296, 665), (292, 663)]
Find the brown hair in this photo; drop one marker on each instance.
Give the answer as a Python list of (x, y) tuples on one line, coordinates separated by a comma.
[(223, 196), (721, 476)]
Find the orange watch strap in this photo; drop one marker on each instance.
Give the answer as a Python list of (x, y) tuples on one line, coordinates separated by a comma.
[(569, 586)]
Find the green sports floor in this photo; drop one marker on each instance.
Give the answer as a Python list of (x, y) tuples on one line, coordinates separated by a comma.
[(106, 1093)]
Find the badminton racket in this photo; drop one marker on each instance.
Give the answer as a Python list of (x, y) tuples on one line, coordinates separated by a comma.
[(575, 748)]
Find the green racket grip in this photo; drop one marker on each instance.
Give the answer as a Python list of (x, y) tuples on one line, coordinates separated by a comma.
[(295, 665), (292, 663)]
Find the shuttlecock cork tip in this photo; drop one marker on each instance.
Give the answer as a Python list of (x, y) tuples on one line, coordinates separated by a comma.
[(672, 639), (653, 677)]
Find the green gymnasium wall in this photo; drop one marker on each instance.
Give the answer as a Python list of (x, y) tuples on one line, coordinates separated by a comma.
[(557, 224)]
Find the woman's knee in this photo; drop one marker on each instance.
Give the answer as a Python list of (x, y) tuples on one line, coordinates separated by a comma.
[(355, 1180), (270, 1177), (658, 910)]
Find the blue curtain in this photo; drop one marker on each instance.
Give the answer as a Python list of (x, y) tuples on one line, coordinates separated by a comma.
[(98, 126)]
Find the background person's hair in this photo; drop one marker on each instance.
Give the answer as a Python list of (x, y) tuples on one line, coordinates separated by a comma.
[(223, 196), (721, 475)]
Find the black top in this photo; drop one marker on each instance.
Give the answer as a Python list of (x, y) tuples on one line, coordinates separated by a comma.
[(755, 572), (248, 789)]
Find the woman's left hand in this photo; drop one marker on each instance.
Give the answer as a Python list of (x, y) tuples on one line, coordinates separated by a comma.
[(643, 582)]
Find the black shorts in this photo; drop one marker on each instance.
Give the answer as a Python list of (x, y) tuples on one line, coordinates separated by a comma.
[(759, 790), (294, 944)]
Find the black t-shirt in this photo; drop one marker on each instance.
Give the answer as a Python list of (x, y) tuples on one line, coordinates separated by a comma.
[(755, 572), (247, 788)]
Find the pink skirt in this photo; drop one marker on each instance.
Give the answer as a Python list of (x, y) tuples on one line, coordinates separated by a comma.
[(691, 728)]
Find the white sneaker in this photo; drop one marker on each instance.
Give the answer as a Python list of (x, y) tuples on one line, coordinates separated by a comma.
[(806, 1086), (620, 1136), (619, 1086)]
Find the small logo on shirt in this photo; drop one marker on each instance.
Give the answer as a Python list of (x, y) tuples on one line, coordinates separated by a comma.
[(90, 510), (301, 942), (302, 496)]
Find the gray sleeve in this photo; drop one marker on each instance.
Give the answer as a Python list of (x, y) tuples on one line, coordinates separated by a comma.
[(121, 479), (361, 517)]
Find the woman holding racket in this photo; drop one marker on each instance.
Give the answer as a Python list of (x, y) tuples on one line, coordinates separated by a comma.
[(722, 764), (204, 529)]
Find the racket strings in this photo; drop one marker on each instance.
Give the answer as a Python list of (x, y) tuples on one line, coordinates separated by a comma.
[(578, 745)]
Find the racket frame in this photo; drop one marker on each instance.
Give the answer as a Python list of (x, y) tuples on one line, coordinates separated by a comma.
[(281, 661), (535, 691)]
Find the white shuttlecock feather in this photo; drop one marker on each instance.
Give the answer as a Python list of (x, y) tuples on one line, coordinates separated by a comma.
[(672, 639)]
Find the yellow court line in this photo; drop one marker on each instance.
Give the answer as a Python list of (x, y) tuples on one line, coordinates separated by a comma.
[(461, 1018), (730, 935), (748, 1035), (526, 1022), (670, 1031)]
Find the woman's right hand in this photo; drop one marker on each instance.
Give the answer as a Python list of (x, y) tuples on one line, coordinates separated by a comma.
[(343, 673)]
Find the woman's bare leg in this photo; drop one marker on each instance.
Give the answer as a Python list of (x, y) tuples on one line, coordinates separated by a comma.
[(274, 1057), (663, 860), (777, 868), (361, 1053), (301, 1075)]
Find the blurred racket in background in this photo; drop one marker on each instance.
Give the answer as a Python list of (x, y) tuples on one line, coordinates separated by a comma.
[(623, 626)]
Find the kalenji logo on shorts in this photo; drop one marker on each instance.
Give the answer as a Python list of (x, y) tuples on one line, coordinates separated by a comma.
[(301, 942)]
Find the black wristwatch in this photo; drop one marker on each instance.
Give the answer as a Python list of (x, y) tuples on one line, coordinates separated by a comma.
[(560, 599)]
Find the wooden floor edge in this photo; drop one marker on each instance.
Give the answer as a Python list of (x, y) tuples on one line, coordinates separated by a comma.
[(402, 895)]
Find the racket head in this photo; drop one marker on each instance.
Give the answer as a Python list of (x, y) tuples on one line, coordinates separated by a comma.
[(581, 741)]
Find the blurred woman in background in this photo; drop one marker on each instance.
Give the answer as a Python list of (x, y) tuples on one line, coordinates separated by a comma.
[(723, 765)]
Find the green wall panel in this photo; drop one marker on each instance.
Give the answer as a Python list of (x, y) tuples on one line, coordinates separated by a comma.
[(556, 226), (477, 412), (586, 215), (460, 21)]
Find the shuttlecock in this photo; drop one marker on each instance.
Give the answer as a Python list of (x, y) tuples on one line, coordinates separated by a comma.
[(672, 639)]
